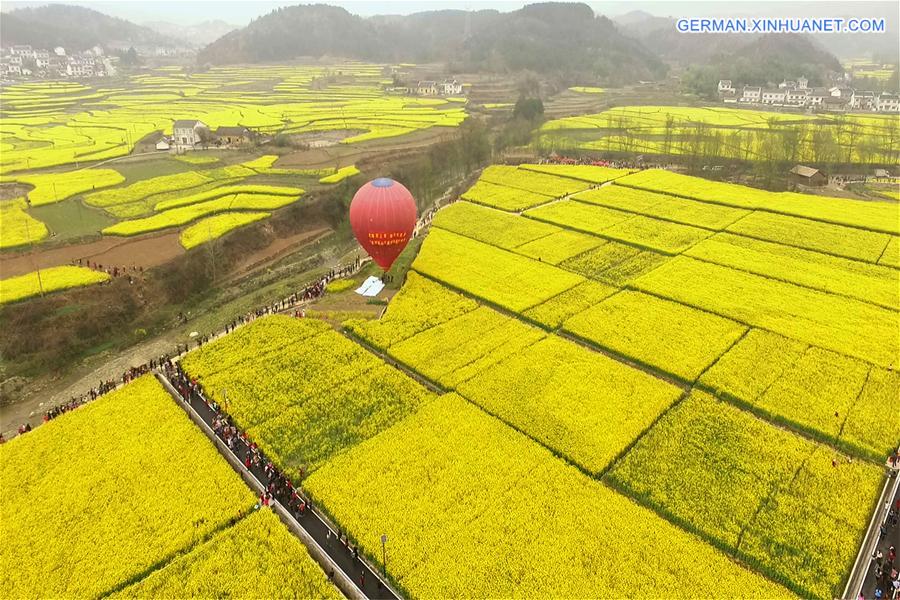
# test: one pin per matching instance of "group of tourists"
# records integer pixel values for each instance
(277, 485)
(111, 270)
(611, 164)
(103, 387)
(884, 565)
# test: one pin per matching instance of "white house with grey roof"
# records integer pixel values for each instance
(186, 133)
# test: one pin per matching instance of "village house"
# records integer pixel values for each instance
(841, 92)
(451, 88)
(863, 101)
(21, 50)
(427, 88)
(80, 67)
(233, 136)
(751, 94)
(808, 176)
(163, 144)
(816, 97)
(41, 59)
(888, 102)
(797, 97)
(835, 103)
(186, 133)
(448, 87)
(773, 96)
(725, 86)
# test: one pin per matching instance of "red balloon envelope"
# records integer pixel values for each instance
(383, 216)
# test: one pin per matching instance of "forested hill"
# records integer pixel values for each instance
(74, 28)
(767, 59)
(563, 38)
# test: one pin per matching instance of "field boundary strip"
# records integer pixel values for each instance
(883, 250)
(629, 217)
(650, 215)
(407, 370)
(572, 338)
(167, 560)
(752, 326)
(761, 209)
(788, 281)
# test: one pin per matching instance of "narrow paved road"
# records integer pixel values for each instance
(891, 538)
(364, 576)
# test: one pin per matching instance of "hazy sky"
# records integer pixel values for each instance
(242, 12)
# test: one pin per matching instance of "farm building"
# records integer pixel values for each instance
(808, 176)
(888, 102)
(427, 88)
(186, 133)
(751, 94)
(835, 104)
(234, 136)
(163, 144)
(451, 87)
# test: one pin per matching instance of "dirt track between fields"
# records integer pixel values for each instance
(144, 251)
(348, 154)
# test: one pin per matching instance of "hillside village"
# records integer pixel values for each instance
(798, 94)
(23, 61)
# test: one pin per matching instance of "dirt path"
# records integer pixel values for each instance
(49, 391)
(144, 251)
(348, 154)
(103, 367)
(278, 248)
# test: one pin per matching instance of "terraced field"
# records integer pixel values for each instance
(56, 138)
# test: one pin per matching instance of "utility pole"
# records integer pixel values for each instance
(383, 554)
(212, 248)
(31, 247)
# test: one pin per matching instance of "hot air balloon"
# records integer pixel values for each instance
(383, 216)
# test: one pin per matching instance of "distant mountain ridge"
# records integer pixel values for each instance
(197, 35)
(75, 28)
(561, 38)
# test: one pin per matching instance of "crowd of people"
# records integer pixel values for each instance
(111, 270)
(103, 387)
(277, 485)
(884, 565)
(309, 292)
(638, 163)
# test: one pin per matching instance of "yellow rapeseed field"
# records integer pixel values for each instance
(100, 495)
(54, 279)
